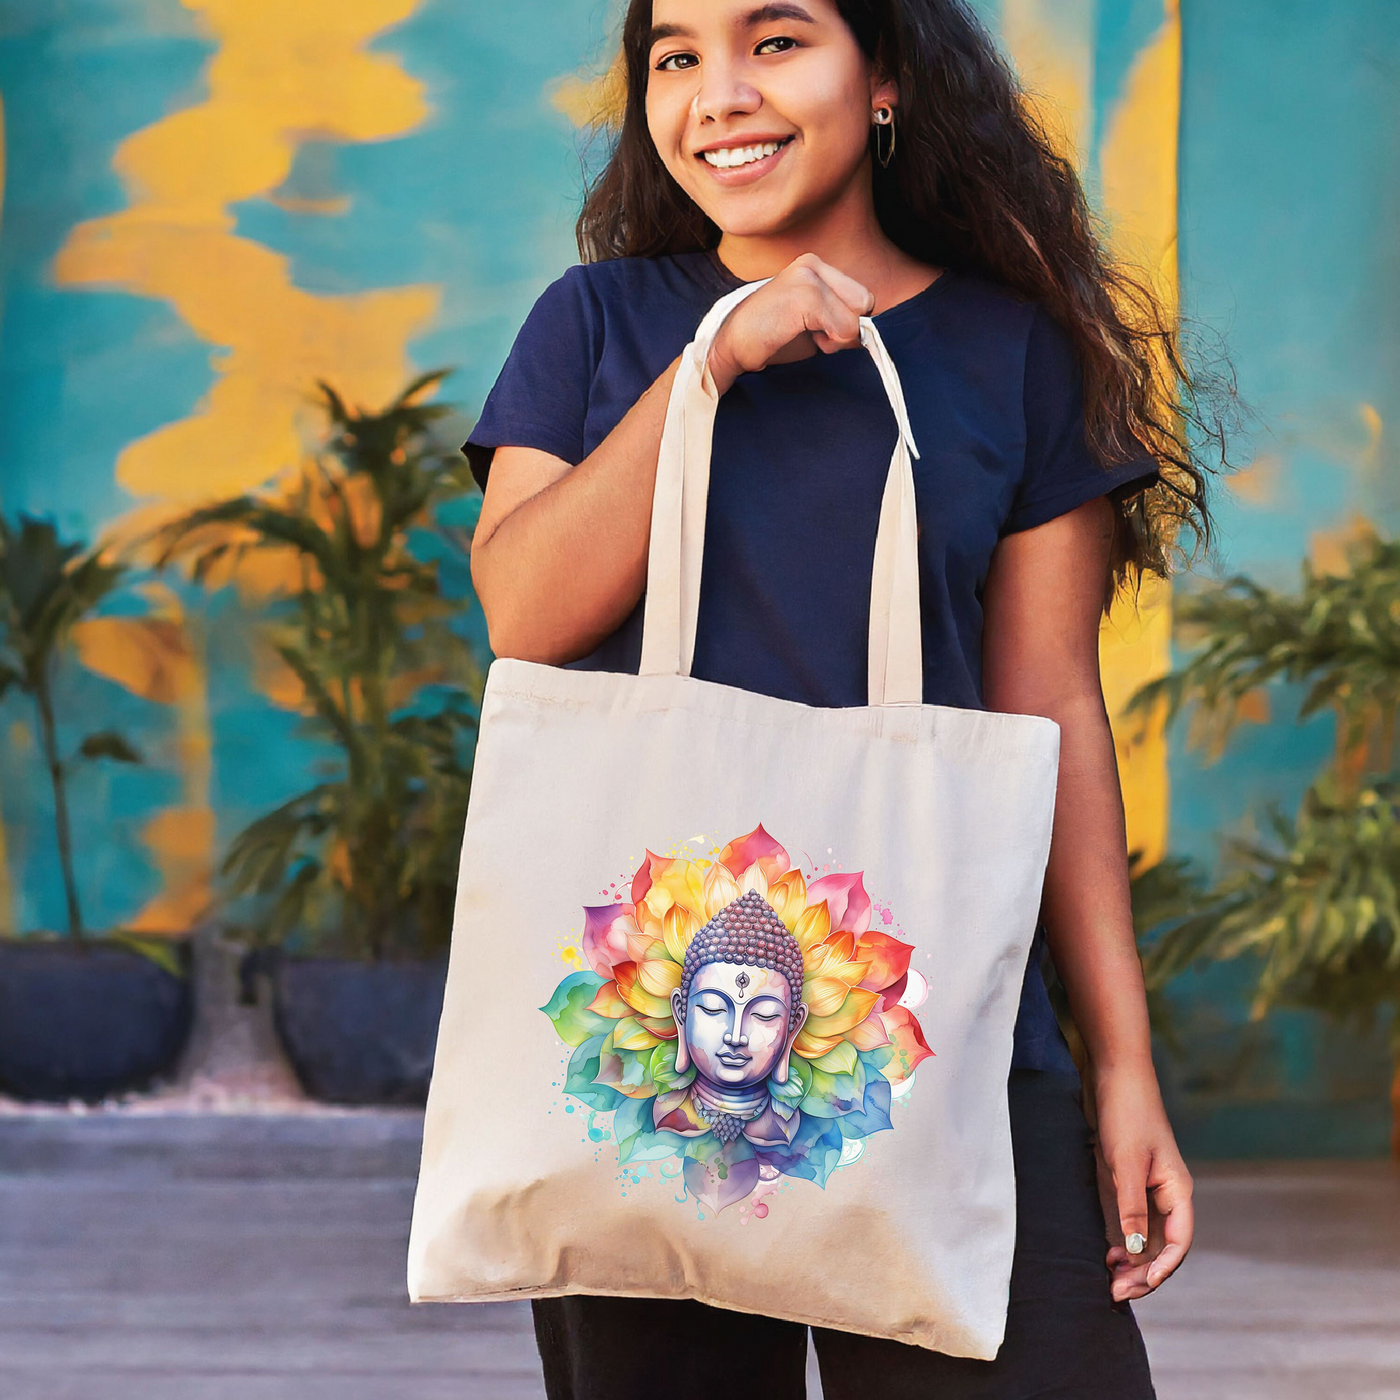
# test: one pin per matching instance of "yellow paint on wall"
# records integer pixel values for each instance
(283, 74)
(1138, 167)
(1052, 45)
(155, 657)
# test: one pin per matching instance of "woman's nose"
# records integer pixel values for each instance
(724, 93)
(730, 1038)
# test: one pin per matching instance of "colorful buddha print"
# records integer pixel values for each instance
(740, 1019)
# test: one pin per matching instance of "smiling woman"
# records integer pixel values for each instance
(864, 164)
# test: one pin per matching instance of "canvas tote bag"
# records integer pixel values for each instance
(733, 979)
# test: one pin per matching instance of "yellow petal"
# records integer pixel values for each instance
(658, 899)
(640, 943)
(824, 995)
(788, 896)
(858, 1005)
(660, 977)
(813, 926)
(869, 1035)
(754, 879)
(630, 1034)
(677, 929)
(629, 985)
(721, 890)
(813, 1047)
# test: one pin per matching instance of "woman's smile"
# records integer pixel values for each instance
(741, 163)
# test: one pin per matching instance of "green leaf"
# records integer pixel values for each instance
(568, 1009)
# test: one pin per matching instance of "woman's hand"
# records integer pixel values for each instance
(808, 307)
(1143, 1181)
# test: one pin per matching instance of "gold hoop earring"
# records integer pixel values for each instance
(884, 151)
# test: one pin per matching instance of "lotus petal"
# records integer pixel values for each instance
(858, 1004)
(623, 1071)
(813, 926)
(644, 943)
(685, 883)
(641, 881)
(843, 943)
(721, 889)
(894, 993)
(813, 1047)
(824, 995)
(719, 1184)
(906, 1041)
(609, 1002)
(663, 1027)
(677, 929)
(754, 879)
(870, 1034)
(889, 959)
(788, 896)
(658, 900)
(569, 1008)
(636, 995)
(630, 1034)
(840, 1059)
(757, 847)
(660, 976)
(845, 896)
(605, 930)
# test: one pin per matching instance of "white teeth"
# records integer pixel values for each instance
(729, 156)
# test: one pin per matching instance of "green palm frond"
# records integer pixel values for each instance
(366, 860)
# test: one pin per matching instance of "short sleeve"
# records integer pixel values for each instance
(1061, 471)
(540, 398)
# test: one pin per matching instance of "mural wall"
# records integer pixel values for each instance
(211, 204)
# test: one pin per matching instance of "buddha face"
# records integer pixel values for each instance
(738, 1026)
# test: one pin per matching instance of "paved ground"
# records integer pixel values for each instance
(214, 1257)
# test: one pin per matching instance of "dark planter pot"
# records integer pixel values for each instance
(86, 1023)
(360, 1032)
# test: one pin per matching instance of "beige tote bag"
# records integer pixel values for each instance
(733, 979)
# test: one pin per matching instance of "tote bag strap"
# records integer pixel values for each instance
(678, 526)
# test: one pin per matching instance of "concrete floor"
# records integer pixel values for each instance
(207, 1258)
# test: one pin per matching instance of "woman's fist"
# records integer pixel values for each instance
(808, 307)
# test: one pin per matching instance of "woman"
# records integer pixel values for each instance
(871, 157)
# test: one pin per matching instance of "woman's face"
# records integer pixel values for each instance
(761, 112)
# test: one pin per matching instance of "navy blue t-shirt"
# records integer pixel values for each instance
(798, 468)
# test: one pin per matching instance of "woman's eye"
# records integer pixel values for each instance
(780, 43)
(760, 1016)
(712, 1010)
(675, 62)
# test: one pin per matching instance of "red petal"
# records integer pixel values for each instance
(890, 996)
(758, 846)
(889, 960)
(846, 898)
(907, 1038)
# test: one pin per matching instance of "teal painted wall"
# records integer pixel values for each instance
(1290, 192)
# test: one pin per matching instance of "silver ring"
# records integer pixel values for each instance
(1135, 1243)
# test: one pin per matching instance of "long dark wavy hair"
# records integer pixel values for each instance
(976, 185)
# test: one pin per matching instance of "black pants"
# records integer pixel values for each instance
(1065, 1337)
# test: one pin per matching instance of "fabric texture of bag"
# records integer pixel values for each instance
(733, 979)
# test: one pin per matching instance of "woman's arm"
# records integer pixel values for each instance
(1042, 607)
(559, 553)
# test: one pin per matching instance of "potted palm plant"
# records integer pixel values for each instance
(80, 1016)
(1315, 902)
(351, 881)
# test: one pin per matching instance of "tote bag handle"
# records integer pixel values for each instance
(678, 526)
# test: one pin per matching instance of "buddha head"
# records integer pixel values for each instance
(739, 1006)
